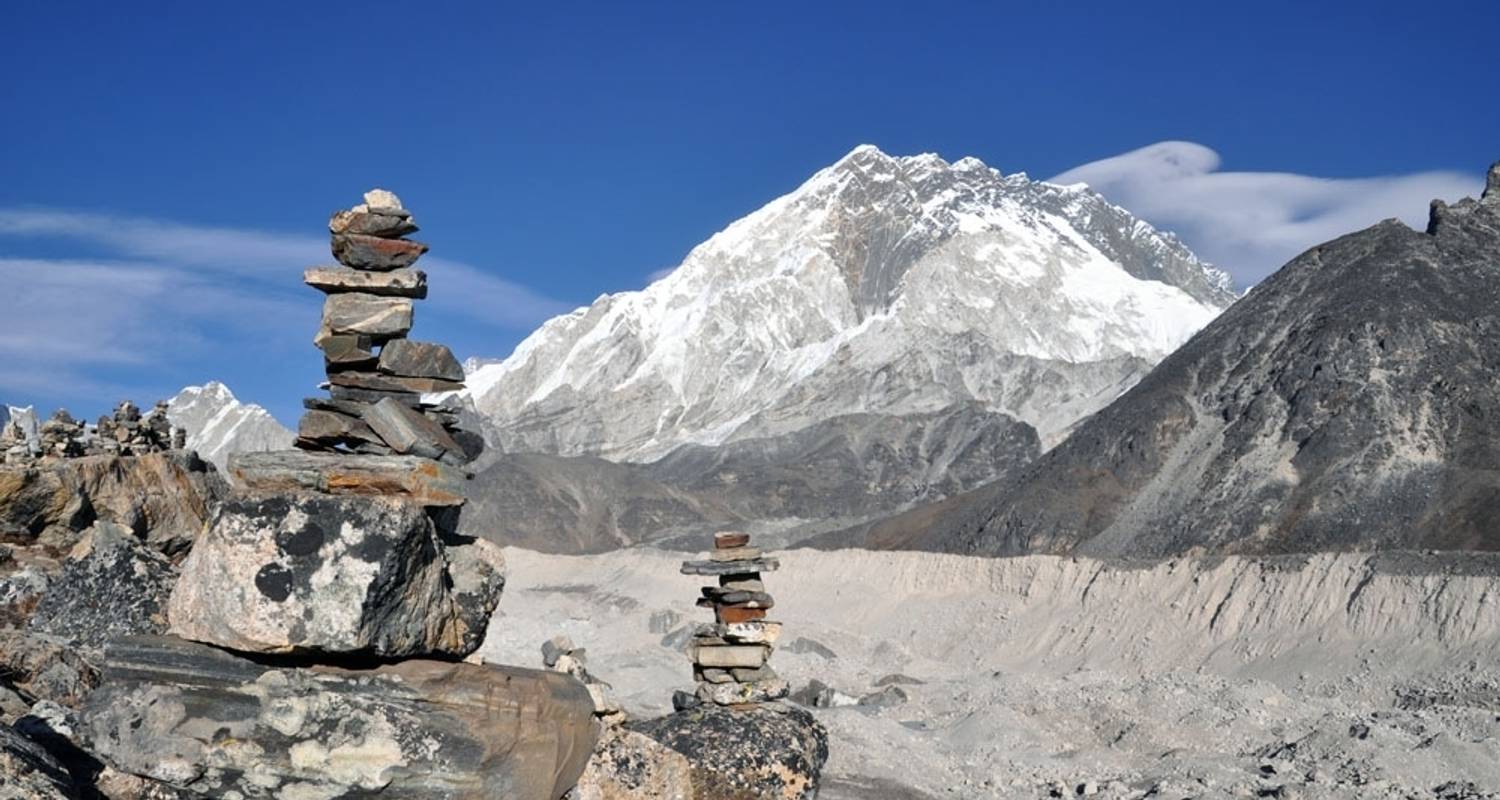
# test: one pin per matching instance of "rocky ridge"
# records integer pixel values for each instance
(1346, 403)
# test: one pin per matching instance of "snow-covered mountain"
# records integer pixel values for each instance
(881, 285)
(217, 424)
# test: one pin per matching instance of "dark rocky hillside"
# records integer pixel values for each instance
(1350, 402)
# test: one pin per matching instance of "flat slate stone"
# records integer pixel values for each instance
(349, 394)
(734, 554)
(207, 721)
(758, 632)
(282, 471)
(348, 351)
(372, 252)
(372, 223)
(729, 656)
(409, 432)
(371, 315)
(333, 427)
(725, 540)
(734, 694)
(395, 283)
(762, 564)
(391, 383)
(411, 359)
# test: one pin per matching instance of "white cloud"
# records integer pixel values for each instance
(659, 274)
(1250, 223)
(175, 292)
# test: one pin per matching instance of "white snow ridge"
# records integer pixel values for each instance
(892, 285)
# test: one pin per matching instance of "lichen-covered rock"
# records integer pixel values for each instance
(163, 498)
(755, 752)
(112, 585)
(318, 573)
(22, 586)
(627, 765)
(42, 667)
(202, 719)
(29, 772)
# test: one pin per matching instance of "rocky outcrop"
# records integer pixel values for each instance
(627, 765)
(41, 667)
(162, 498)
(112, 585)
(198, 718)
(1349, 402)
(328, 574)
(29, 772)
(770, 751)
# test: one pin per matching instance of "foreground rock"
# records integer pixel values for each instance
(41, 667)
(201, 719)
(318, 573)
(29, 772)
(112, 585)
(163, 498)
(763, 751)
(627, 765)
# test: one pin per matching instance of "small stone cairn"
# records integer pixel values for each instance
(560, 655)
(730, 656)
(376, 376)
(126, 432)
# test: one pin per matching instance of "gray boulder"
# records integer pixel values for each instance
(762, 751)
(420, 360)
(328, 574)
(199, 718)
(112, 585)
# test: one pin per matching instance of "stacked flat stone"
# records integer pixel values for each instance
(730, 656)
(127, 433)
(62, 436)
(15, 448)
(376, 376)
(560, 655)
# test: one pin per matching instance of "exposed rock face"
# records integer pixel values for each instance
(112, 585)
(198, 718)
(765, 751)
(219, 425)
(881, 285)
(1349, 402)
(627, 765)
(788, 488)
(317, 573)
(45, 668)
(163, 498)
(417, 479)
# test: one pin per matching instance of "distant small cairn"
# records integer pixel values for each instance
(126, 432)
(376, 376)
(730, 656)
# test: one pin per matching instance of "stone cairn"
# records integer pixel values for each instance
(560, 655)
(376, 376)
(324, 627)
(730, 656)
(126, 432)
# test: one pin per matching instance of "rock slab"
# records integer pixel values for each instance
(201, 719)
(770, 751)
(418, 479)
(331, 575)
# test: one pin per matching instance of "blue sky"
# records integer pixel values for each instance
(166, 169)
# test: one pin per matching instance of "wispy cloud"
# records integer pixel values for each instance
(166, 291)
(1251, 223)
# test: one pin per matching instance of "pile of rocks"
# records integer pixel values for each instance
(560, 655)
(730, 656)
(376, 376)
(126, 432)
(322, 630)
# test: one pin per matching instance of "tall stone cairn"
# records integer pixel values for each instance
(376, 376)
(730, 656)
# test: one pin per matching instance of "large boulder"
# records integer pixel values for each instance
(163, 498)
(330, 574)
(202, 719)
(769, 751)
(29, 772)
(112, 585)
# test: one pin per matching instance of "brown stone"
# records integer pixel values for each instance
(348, 351)
(730, 539)
(735, 554)
(409, 432)
(627, 765)
(420, 360)
(333, 427)
(371, 223)
(392, 383)
(395, 283)
(380, 318)
(731, 656)
(372, 252)
(731, 615)
(291, 471)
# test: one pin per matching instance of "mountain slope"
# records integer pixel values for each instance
(882, 285)
(218, 424)
(1350, 402)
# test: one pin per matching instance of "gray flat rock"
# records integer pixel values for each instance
(420, 360)
(409, 432)
(395, 283)
(763, 564)
(281, 471)
(370, 315)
